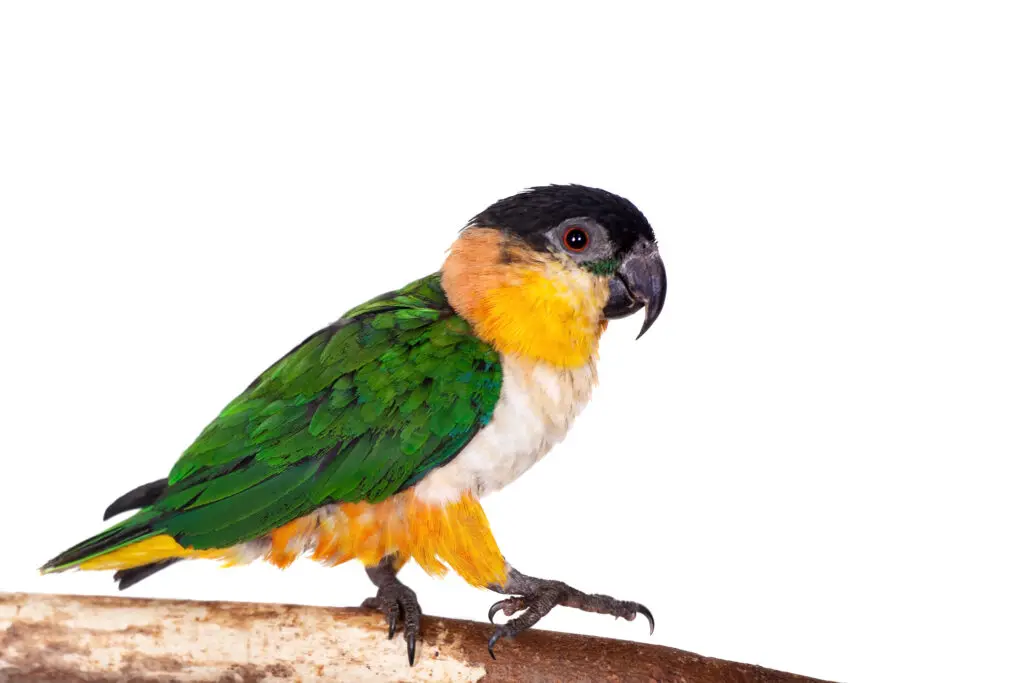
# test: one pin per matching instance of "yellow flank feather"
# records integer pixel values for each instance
(455, 535)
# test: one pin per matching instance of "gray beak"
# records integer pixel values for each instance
(639, 282)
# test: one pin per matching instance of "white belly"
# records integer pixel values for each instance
(535, 409)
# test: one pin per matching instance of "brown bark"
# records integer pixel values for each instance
(81, 638)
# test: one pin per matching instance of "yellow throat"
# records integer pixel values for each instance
(525, 302)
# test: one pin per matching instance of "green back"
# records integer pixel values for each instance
(357, 412)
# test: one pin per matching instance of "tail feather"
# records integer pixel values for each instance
(129, 577)
(136, 528)
(131, 530)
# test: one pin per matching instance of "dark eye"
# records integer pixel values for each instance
(575, 238)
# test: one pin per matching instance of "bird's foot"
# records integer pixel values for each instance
(536, 597)
(398, 603)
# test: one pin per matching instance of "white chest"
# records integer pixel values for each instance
(537, 405)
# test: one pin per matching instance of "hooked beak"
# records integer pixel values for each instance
(640, 282)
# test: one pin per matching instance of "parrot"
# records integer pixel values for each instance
(376, 437)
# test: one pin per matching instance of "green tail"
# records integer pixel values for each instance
(135, 528)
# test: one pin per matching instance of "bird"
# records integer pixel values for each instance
(376, 437)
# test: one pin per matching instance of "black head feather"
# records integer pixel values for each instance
(533, 211)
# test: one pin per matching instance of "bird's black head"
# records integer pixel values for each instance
(534, 212)
(601, 232)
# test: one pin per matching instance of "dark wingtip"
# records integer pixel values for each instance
(138, 497)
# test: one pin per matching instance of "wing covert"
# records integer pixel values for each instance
(360, 410)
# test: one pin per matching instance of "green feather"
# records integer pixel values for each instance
(357, 412)
(606, 266)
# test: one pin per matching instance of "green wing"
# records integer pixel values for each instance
(357, 412)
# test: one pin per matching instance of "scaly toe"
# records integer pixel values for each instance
(533, 609)
(398, 602)
(509, 606)
(389, 607)
(411, 610)
(532, 598)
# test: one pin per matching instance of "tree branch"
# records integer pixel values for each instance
(96, 639)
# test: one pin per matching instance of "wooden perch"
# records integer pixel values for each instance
(82, 638)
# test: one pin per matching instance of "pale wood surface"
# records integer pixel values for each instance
(98, 639)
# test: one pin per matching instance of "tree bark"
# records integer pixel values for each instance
(97, 639)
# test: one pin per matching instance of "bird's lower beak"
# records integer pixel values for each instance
(639, 282)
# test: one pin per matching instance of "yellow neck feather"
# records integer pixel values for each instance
(524, 302)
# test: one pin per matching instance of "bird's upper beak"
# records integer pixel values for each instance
(639, 282)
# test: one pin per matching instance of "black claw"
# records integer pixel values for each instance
(538, 596)
(412, 647)
(647, 613)
(392, 625)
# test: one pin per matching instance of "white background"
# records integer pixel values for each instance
(812, 462)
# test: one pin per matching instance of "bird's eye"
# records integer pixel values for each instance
(575, 238)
